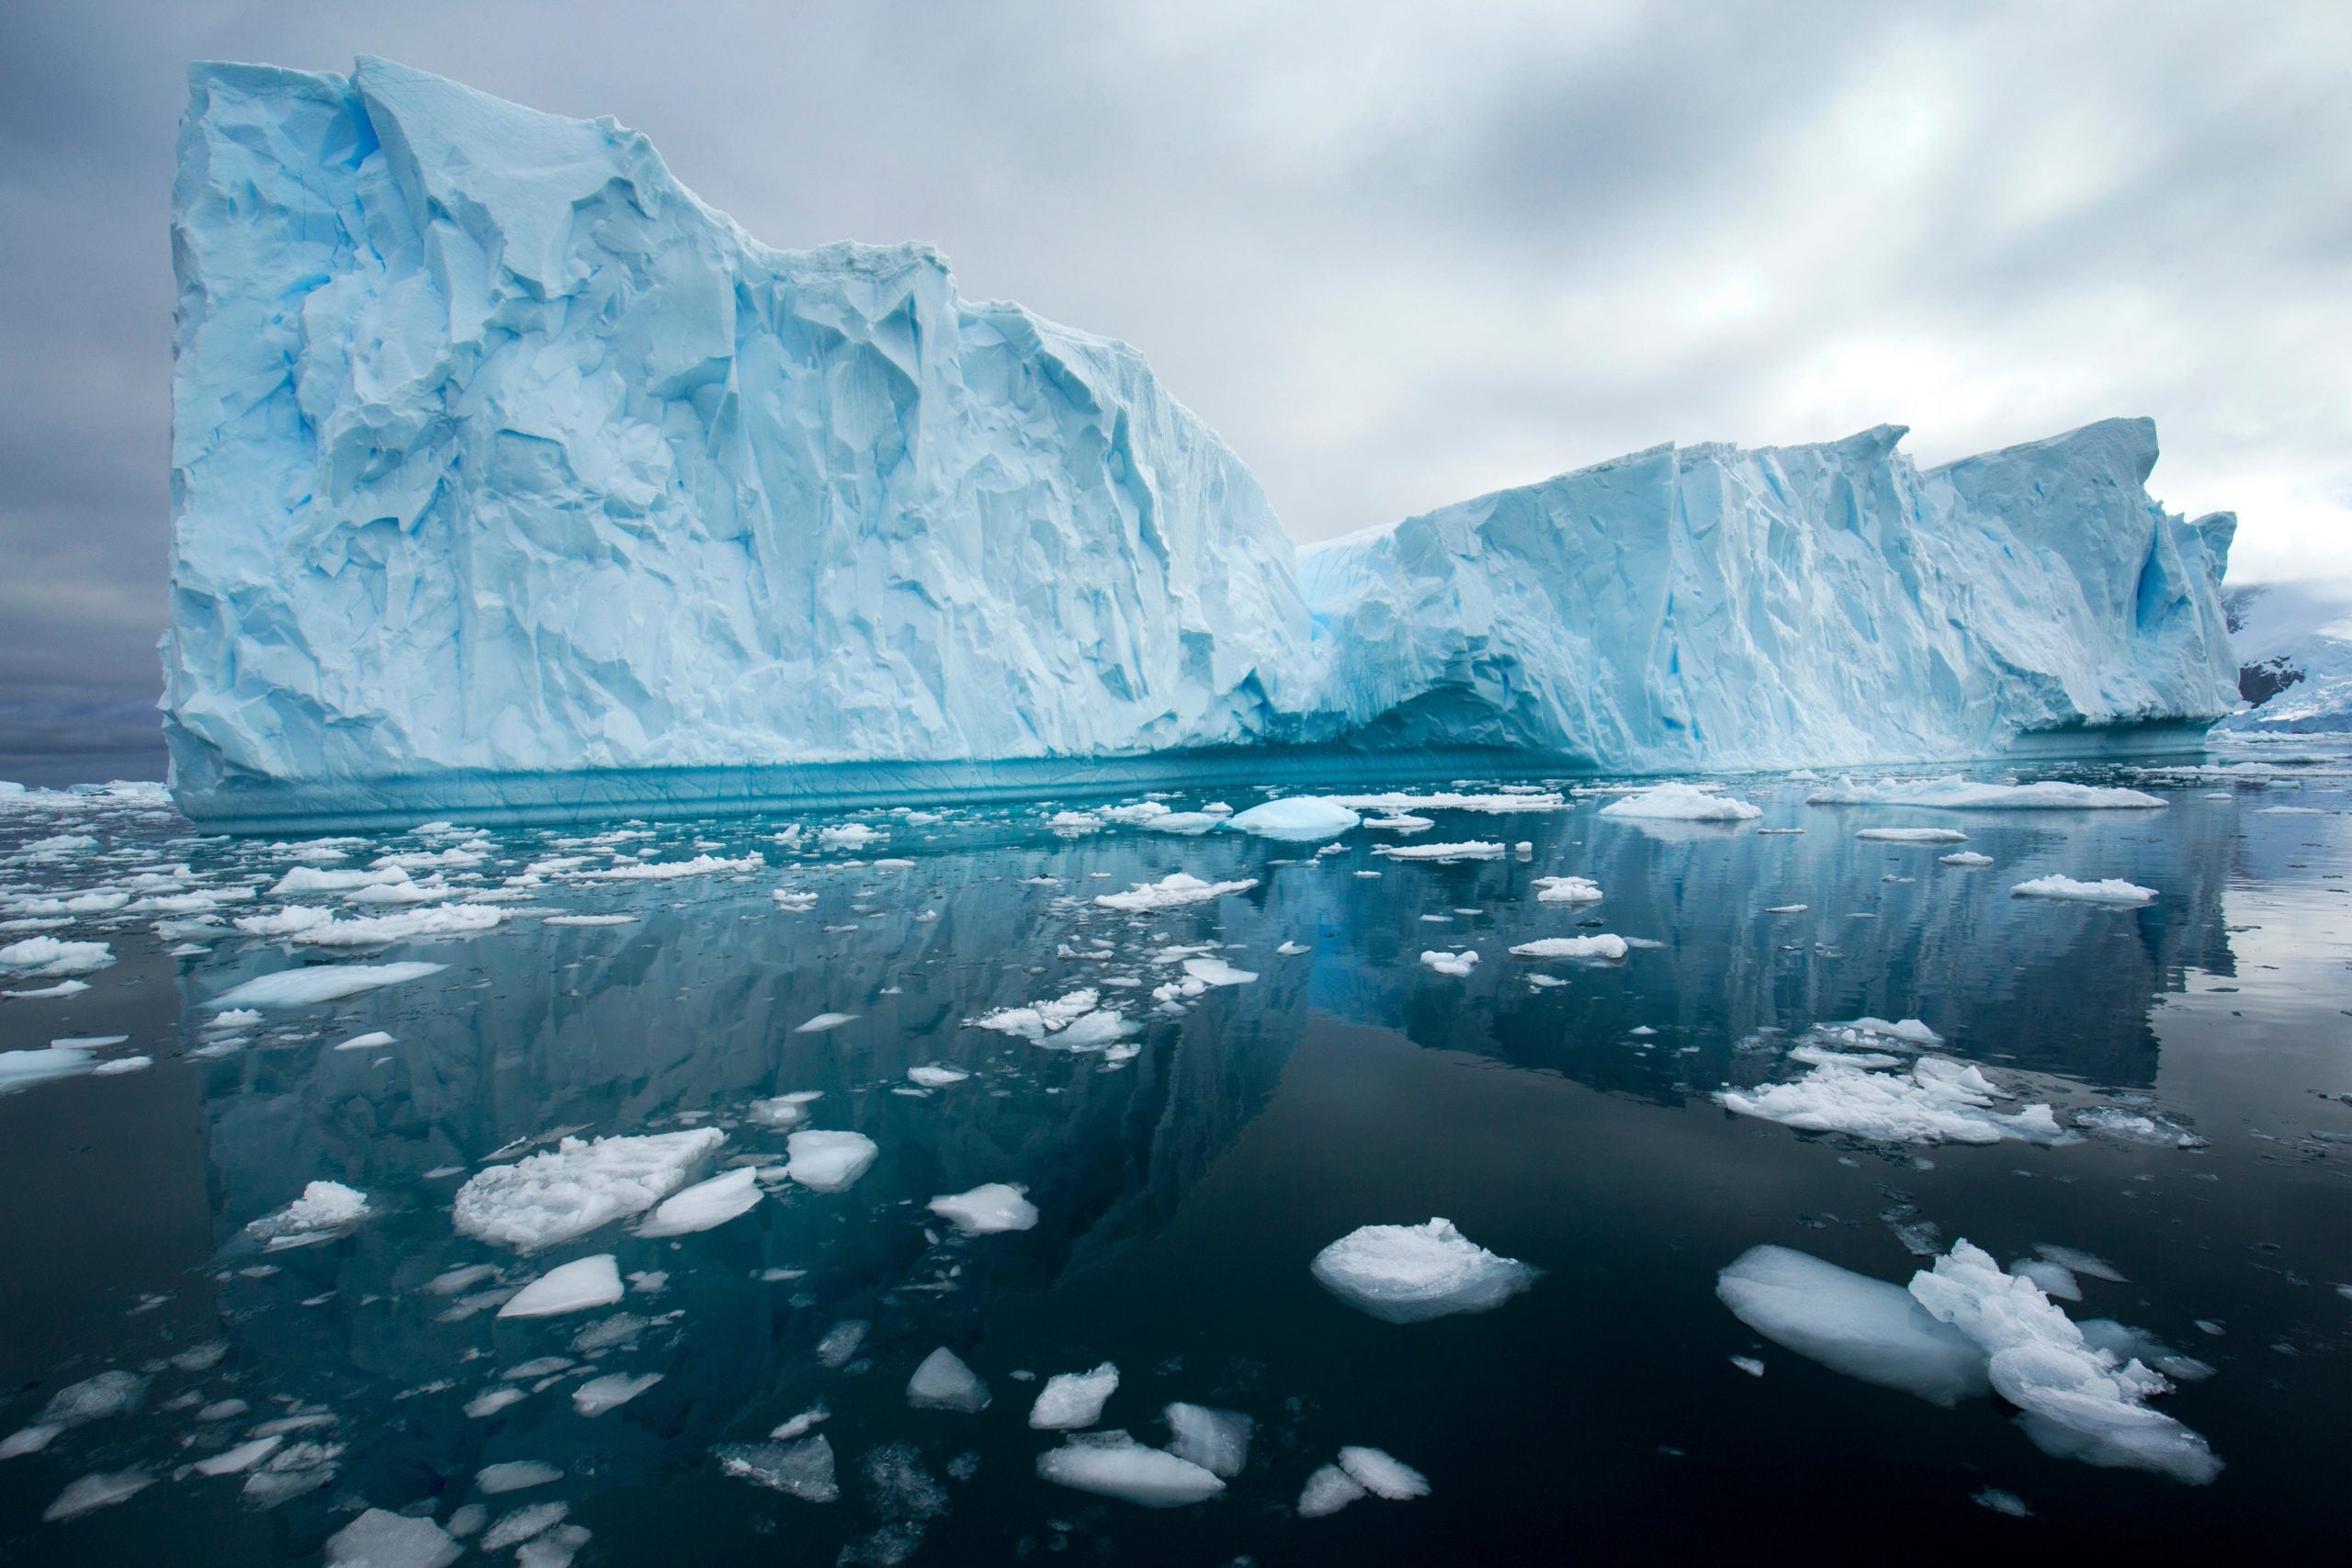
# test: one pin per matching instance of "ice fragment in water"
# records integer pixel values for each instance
(378, 1539)
(1750, 1365)
(610, 1392)
(1217, 972)
(1964, 858)
(705, 1205)
(1850, 1323)
(935, 1076)
(945, 1382)
(321, 983)
(22, 1069)
(572, 1287)
(987, 1209)
(1074, 1399)
(1938, 1101)
(1413, 1273)
(829, 1162)
(1173, 891)
(1216, 1440)
(325, 1209)
(374, 1040)
(1952, 793)
(1291, 949)
(1384, 1475)
(1566, 890)
(824, 1021)
(2001, 1502)
(802, 1470)
(45, 957)
(100, 1490)
(785, 1111)
(1599, 945)
(515, 1475)
(2056, 1279)
(567, 1191)
(1328, 1491)
(1457, 965)
(2111, 891)
(1112, 1464)
(521, 1524)
(1913, 835)
(243, 1458)
(841, 1342)
(1298, 818)
(99, 1398)
(1681, 803)
(2081, 1262)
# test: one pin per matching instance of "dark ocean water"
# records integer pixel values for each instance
(1183, 1193)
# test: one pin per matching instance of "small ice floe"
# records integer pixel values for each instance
(305, 879)
(1070, 1400)
(22, 1069)
(1850, 1323)
(1952, 793)
(1414, 1273)
(668, 871)
(241, 1458)
(1457, 965)
(1681, 803)
(2132, 1127)
(990, 1209)
(1297, 817)
(1383, 1475)
(62, 988)
(324, 1211)
(803, 1469)
(1566, 890)
(2055, 1280)
(839, 1346)
(1913, 835)
(800, 1424)
(1214, 972)
(1112, 1464)
(849, 836)
(101, 1489)
(794, 900)
(571, 1287)
(321, 983)
(1600, 945)
(1965, 858)
(943, 1382)
(1327, 1490)
(1750, 1365)
(936, 1076)
(2113, 890)
(785, 1111)
(1850, 1090)
(705, 1205)
(589, 920)
(1509, 802)
(1473, 849)
(1216, 1440)
(1400, 822)
(46, 958)
(2000, 1501)
(610, 1392)
(2081, 1262)
(1171, 892)
(292, 918)
(2079, 1401)
(1187, 824)
(576, 1186)
(514, 1476)
(1073, 1022)
(374, 1040)
(1786, 909)
(829, 1161)
(1293, 948)
(380, 1538)
(825, 1023)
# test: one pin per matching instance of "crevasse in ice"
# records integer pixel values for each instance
(510, 477)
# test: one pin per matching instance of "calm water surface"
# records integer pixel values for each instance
(1183, 1193)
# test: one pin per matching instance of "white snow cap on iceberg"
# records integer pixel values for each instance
(1414, 1273)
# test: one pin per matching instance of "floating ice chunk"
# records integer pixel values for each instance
(935, 1076)
(1300, 818)
(521, 1524)
(987, 1209)
(1141, 812)
(2124, 1344)
(1473, 849)
(316, 879)
(1071, 824)
(1952, 793)
(1190, 824)
(2078, 1402)
(62, 988)
(1750, 1365)
(705, 1205)
(1216, 1440)
(1112, 1464)
(1217, 972)
(1913, 835)
(945, 1382)
(2054, 1279)
(2081, 1262)
(494, 1400)
(325, 1209)
(610, 1392)
(825, 1023)
(1293, 948)
(2001, 1502)
(1171, 892)
(2113, 890)
(849, 836)
(1033, 1023)
(374, 1040)
(378, 1539)
(1681, 803)
(669, 871)
(1328, 1491)
(1938, 1101)
(22, 1069)
(1911, 1031)
(1601, 944)
(802, 1470)
(100, 1489)
(515, 1475)
(1505, 803)
(243, 1458)
(784, 1111)
(1850, 1323)
(1566, 890)
(284, 922)
(2133, 1128)
(1413, 1273)
(450, 1281)
(321, 983)
(30, 1439)
(99, 1398)
(790, 898)
(1458, 964)
(571, 1287)
(841, 1343)
(1383, 1475)
(45, 957)
(576, 1186)
(1964, 858)
(1070, 1400)
(829, 1162)
(589, 920)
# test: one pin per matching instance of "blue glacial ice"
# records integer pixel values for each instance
(511, 479)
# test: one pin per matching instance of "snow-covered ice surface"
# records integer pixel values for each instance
(1682, 803)
(1189, 1139)
(1071, 1400)
(1414, 1273)
(2107, 890)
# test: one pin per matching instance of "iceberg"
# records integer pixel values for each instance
(1112, 1464)
(511, 479)
(1414, 1273)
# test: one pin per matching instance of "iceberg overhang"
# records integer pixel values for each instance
(510, 478)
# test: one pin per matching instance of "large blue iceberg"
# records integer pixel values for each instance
(509, 478)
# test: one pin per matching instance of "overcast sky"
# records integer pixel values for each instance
(1396, 255)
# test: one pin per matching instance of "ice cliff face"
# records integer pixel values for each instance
(1710, 607)
(508, 477)
(495, 450)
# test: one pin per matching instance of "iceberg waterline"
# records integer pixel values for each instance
(520, 399)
